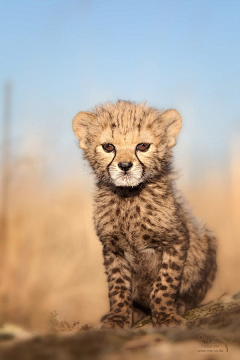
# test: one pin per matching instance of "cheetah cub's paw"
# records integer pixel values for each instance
(113, 321)
(176, 320)
(172, 320)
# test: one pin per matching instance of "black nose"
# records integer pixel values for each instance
(125, 165)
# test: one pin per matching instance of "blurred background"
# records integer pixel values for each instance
(59, 57)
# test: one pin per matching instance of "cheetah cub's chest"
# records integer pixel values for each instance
(128, 225)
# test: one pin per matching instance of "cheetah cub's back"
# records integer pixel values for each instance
(158, 258)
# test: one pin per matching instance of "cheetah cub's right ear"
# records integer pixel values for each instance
(81, 124)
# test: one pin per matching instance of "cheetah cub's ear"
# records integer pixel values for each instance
(81, 124)
(173, 122)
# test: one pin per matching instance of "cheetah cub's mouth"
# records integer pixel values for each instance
(121, 177)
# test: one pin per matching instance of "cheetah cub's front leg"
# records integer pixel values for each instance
(166, 287)
(119, 292)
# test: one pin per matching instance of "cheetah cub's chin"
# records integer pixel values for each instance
(159, 259)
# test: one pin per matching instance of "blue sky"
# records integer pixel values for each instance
(67, 56)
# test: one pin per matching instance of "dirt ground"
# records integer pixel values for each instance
(213, 332)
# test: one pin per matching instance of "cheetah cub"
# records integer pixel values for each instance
(158, 258)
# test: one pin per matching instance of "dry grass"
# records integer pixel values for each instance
(53, 261)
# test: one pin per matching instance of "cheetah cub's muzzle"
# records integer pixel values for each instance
(126, 173)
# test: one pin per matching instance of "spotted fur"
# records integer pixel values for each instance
(158, 257)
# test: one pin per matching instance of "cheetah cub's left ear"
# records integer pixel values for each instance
(173, 122)
(81, 124)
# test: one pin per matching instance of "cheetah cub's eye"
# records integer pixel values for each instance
(143, 147)
(108, 147)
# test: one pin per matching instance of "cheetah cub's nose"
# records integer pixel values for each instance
(125, 165)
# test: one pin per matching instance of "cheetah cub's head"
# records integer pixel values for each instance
(126, 143)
